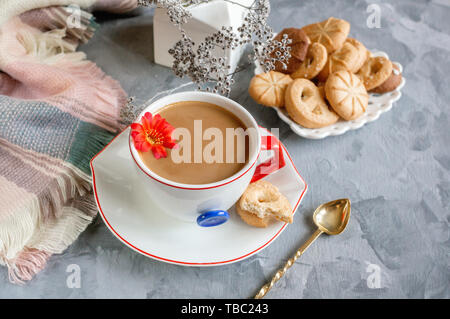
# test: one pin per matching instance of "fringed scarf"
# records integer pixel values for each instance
(57, 110)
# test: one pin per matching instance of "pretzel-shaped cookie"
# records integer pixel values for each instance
(315, 60)
(375, 71)
(393, 81)
(306, 106)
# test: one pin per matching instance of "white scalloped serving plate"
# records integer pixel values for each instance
(378, 104)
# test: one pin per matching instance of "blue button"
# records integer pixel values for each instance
(213, 218)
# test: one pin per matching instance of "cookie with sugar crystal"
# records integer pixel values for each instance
(315, 60)
(306, 106)
(375, 71)
(346, 94)
(331, 33)
(269, 88)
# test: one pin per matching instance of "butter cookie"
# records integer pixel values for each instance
(262, 201)
(331, 33)
(269, 88)
(393, 81)
(315, 60)
(253, 219)
(306, 106)
(343, 59)
(375, 71)
(346, 94)
(363, 54)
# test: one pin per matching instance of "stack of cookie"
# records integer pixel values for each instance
(327, 77)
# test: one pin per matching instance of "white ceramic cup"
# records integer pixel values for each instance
(186, 201)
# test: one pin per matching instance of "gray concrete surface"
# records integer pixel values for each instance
(395, 170)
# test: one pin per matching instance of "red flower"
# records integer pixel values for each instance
(154, 134)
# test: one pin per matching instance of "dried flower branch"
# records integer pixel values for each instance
(200, 64)
(129, 112)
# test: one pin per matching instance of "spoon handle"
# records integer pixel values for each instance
(280, 273)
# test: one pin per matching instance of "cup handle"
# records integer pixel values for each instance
(274, 163)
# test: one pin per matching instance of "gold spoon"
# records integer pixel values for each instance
(330, 218)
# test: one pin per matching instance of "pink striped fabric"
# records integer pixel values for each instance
(57, 110)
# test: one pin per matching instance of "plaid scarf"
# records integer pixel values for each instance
(57, 110)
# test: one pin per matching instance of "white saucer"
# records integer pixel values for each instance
(378, 104)
(136, 221)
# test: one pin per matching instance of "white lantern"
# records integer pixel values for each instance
(207, 18)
